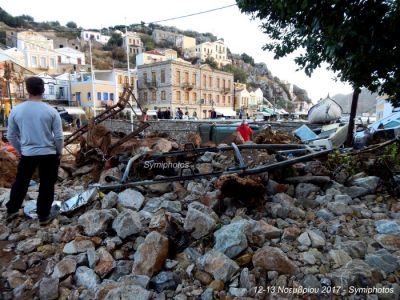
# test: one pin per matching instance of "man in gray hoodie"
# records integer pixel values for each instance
(35, 131)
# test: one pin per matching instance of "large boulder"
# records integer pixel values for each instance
(383, 260)
(231, 239)
(75, 246)
(48, 288)
(151, 254)
(105, 263)
(218, 265)
(388, 226)
(355, 273)
(110, 200)
(274, 259)
(95, 222)
(304, 190)
(29, 245)
(261, 231)
(131, 198)
(64, 268)
(200, 220)
(128, 292)
(86, 278)
(370, 183)
(388, 241)
(127, 223)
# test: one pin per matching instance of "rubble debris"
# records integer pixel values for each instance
(200, 238)
(247, 190)
(151, 254)
(8, 168)
(273, 259)
(234, 138)
(195, 139)
(269, 136)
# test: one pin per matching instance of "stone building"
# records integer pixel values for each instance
(180, 41)
(195, 89)
(135, 44)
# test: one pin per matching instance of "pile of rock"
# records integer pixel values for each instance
(174, 241)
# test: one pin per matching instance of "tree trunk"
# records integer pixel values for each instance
(354, 102)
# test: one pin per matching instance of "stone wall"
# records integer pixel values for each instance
(178, 129)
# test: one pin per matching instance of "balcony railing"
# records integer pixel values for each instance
(187, 86)
(61, 96)
(225, 90)
(151, 84)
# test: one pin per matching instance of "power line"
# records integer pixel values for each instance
(193, 14)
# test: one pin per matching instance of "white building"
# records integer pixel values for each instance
(216, 50)
(87, 35)
(383, 108)
(39, 54)
(63, 87)
(256, 97)
(134, 42)
(70, 56)
(56, 88)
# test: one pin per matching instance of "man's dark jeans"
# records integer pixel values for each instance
(48, 172)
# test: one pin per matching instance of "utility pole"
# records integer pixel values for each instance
(129, 71)
(92, 74)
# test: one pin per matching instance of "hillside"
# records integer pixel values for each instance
(366, 102)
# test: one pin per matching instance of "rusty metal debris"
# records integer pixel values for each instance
(290, 150)
(108, 113)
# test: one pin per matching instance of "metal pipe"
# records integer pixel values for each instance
(129, 166)
(238, 155)
(274, 147)
(246, 172)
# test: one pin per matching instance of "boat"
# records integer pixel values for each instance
(325, 111)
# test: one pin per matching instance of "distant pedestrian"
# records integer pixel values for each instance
(145, 117)
(160, 114)
(186, 116)
(179, 113)
(167, 114)
(245, 131)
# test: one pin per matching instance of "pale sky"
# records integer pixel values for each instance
(239, 32)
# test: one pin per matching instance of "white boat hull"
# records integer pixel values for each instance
(325, 111)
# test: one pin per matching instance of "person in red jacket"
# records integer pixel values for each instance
(245, 131)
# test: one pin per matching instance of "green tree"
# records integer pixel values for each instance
(247, 59)
(115, 40)
(71, 25)
(359, 40)
(239, 75)
(211, 62)
(148, 42)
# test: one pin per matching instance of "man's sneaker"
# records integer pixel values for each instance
(47, 220)
(12, 216)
